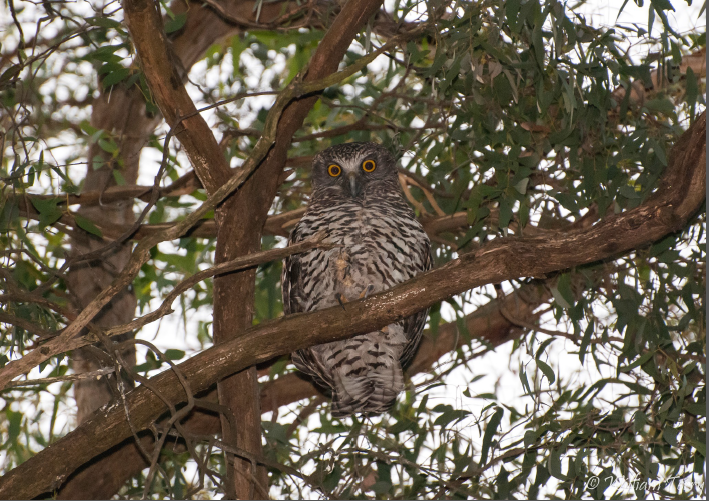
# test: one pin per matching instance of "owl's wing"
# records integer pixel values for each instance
(413, 325)
(293, 302)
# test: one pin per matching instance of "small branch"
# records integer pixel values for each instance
(71, 377)
(238, 264)
(280, 23)
(25, 324)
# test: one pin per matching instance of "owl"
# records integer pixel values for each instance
(358, 204)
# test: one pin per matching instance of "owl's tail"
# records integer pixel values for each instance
(367, 385)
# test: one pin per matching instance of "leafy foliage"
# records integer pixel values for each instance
(522, 115)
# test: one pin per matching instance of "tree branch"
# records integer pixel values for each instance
(681, 193)
(157, 60)
(487, 323)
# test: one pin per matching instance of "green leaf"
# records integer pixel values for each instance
(692, 87)
(559, 298)
(332, 479)
(115, 77)
(524, 380)
(639, 421)
(14, 425)
(384, 472)
(505, 214)
(44, 205)
(175, 24)
(670, 436)
(662, 5)
(86, 225)
(586, 340)
(696, 409)
(103, 22)
(638, 388)
(381, 487)
(548, 371)
(698, 443)
(530, 437)
(490, 431)
(555, 464)
(640, 361)
(521, 187)
(118, 177)
(108, 145)
(173, 354)
(450, 415)
(49, 213)
(628, 192)
(512, 14)
(10, 73)
(660, 105)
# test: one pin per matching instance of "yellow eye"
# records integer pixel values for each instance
(369, 166)
(334, 170)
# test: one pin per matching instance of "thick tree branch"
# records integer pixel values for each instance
(681, 193)
(487, 322)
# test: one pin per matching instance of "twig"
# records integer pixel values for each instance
(71, 377)
(25, 324)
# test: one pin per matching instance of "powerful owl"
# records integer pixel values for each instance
(357, 202)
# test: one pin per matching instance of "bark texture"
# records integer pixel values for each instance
(86, 279)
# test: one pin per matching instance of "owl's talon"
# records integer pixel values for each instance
(365, 294)
(341, 299)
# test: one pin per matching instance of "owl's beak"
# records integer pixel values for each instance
(354, 185)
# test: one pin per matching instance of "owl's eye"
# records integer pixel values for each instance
(334, 170)
(369, 166)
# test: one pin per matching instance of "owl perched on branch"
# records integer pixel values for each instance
(357, 202)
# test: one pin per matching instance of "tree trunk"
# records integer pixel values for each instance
(121, 113)
(119, 116)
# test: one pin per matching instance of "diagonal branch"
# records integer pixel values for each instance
(487, 323)
(681, 193)
(156, 57)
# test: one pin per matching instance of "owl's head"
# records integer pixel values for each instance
(353, 167)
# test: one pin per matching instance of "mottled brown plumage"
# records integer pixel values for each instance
(380, 244)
